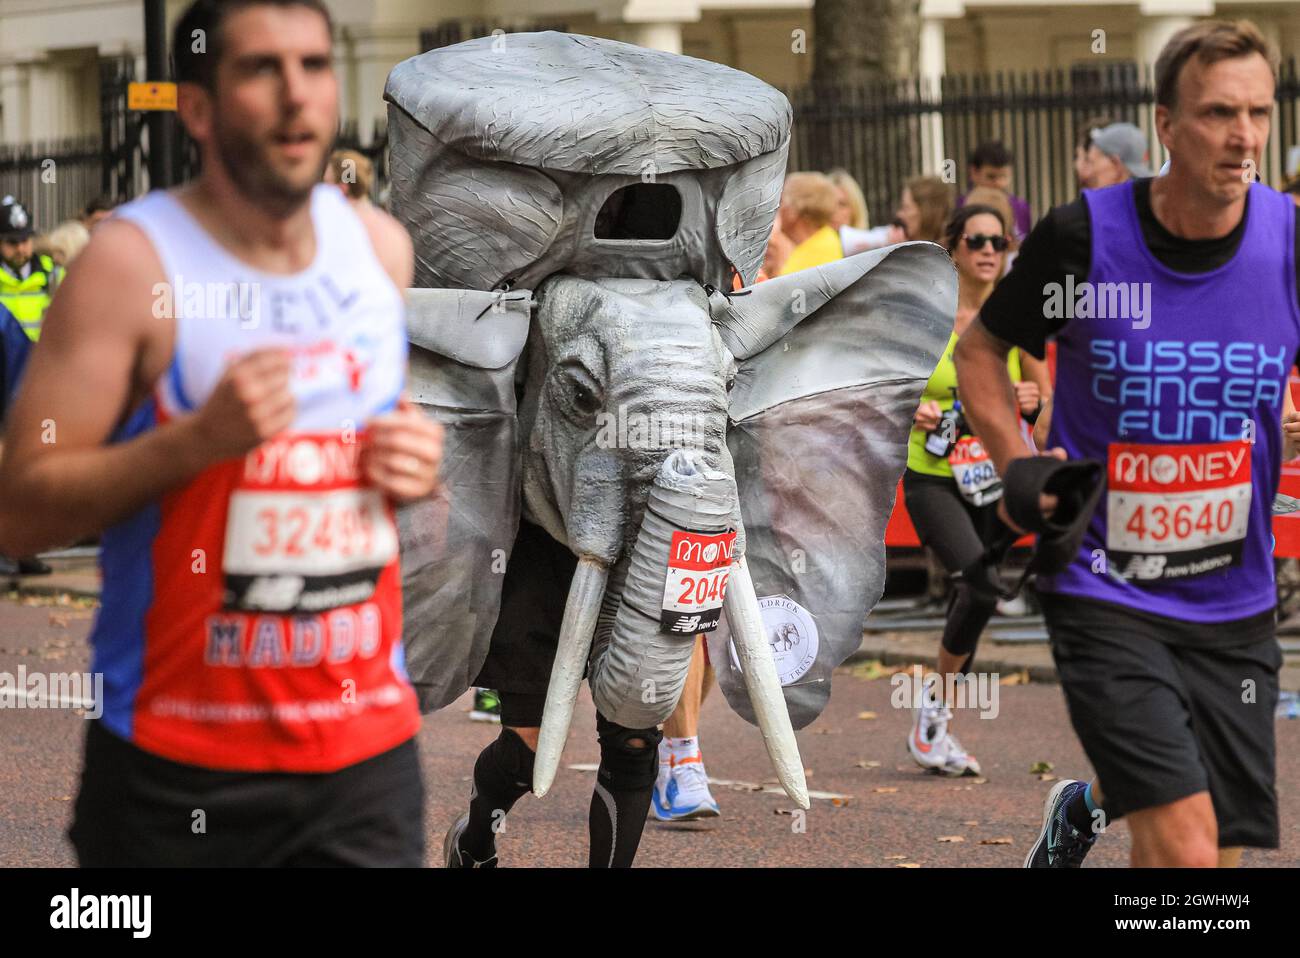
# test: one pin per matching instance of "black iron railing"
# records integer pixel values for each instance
(882, 134)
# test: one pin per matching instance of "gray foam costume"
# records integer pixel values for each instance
(505, 154)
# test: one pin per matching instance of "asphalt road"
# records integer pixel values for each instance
(891, 813)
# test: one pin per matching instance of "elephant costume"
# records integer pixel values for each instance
(579, 209)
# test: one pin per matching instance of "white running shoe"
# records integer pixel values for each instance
(936, 749)
(684, 795)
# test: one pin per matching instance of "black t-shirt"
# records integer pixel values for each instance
(1060, 246)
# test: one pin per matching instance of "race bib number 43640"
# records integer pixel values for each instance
(1176, 510)
(696, 584)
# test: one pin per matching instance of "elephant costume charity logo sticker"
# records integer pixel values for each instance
(792, 634)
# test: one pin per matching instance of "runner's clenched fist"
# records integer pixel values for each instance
(250, 404)
(402, 451)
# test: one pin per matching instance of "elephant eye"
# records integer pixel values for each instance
(585, 399)
(579, 390)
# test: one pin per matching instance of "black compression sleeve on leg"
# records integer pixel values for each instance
(629, 760)
(502, 775)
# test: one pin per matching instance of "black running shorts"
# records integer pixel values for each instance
(136, 809)
(533, 597)
(1162, 717)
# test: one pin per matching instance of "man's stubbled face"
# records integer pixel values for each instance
(275, 109)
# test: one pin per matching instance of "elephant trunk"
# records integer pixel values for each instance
(638, 670)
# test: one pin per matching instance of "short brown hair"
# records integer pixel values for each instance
(1209, 42)
(934, 197)
(990, 198)
(353, 171)
(203, 20)
(812, 196)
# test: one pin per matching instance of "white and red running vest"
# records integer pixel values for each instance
(251, 619)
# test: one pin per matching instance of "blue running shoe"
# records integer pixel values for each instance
(681, 792)
(1060, 844)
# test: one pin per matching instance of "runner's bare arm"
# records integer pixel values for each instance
(981, 360)
(101, 351)
(1044, 425)
(404, 447)
(1290, 426)
(392, 244)
(1036, 371)
(990, 399)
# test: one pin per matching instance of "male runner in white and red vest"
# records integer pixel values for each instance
(219, 388)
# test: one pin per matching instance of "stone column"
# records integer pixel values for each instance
(664, 35)
(1161, 19)
(375, 51)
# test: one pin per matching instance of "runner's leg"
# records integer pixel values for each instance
(503, 774)
(621, 799)
(1181, 834)
(682, 785)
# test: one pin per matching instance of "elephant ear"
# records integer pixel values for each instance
(454, 545)
(831, 365)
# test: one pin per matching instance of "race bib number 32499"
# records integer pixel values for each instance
(1176, 510)
(696, 584)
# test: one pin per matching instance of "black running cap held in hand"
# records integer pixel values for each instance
(1077, 485)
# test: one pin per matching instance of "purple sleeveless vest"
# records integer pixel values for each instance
(1174, 382)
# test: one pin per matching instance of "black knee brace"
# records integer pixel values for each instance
(970, 607)
(512, 757)
(629, 757)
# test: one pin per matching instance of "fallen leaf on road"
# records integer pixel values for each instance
(970, 823)
(866, 715)
(58, 620)
(1015, 678)
(839, 802)
(873, 669)
(897, 858)
(1046, 777)
(979, 781)
(907, 865)
(950, 839)
(783, 811)
(866, 764)
(1038, 768)
(995, 841)
(886, 791)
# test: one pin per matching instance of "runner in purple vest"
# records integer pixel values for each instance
(1174, 305)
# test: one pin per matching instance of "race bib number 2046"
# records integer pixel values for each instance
(1176, 510)
(698, 567)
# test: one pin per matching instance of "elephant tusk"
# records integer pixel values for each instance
(580, 612)
(762, 682)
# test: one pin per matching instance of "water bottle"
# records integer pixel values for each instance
(940, 440)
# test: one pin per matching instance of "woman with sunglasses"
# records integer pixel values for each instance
(950, 488)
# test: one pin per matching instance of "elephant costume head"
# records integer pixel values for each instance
(579, 209)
